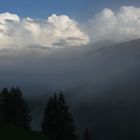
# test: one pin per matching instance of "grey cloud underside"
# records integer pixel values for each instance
(68, 67)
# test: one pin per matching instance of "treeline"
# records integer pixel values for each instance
(14, 109)
(57, 122)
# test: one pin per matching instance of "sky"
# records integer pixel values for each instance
(77, 9)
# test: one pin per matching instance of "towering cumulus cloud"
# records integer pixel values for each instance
(61, 31)
(119, 26)
(55, 31)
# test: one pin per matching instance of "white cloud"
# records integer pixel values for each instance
(59, 31)
(56, 30)
(118, 26)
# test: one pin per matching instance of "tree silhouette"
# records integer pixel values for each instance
(14, 109)
(87, 135)
(4, 97)
(58, 122)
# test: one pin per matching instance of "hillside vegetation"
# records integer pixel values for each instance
(8, 132)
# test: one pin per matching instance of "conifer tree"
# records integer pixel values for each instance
(14, 108)
(4, 97)
(58, 122)
(87, 135)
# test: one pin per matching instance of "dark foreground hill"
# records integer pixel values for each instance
(8, 132)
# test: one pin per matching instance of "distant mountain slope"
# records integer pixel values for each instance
(112, 102)
(102, 84)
